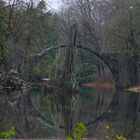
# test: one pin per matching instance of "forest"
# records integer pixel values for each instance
(70, 72)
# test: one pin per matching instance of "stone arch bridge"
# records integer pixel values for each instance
(120, 72)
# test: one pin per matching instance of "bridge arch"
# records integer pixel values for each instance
(111, 60)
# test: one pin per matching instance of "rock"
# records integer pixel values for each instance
(11, 80)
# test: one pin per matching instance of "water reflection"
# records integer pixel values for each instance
(36, 114)
(126, 108)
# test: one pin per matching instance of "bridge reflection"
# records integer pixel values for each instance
(35, 115)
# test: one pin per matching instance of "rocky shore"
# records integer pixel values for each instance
(11, 80)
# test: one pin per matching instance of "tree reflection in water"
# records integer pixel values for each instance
(38, 115)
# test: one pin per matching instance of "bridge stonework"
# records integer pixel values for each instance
(124, 69)
(112, 61)
(120, 67)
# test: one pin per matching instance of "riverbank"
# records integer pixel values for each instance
(96, 85)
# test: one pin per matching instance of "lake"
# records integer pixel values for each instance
(35, 113)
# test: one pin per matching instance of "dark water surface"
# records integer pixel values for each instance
(36, 114)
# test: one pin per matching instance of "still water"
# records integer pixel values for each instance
(37, 114)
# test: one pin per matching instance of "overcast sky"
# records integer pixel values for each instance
(55, 4)
(52, 4)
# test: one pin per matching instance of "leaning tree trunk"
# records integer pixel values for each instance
(66, 81)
